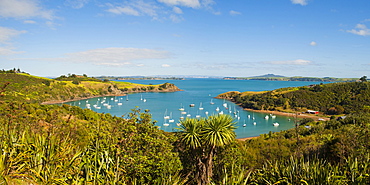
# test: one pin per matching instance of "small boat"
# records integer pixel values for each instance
(200, 106)
(211, 102)
(166, 124)
(276, 124)
(181, 108)
(141, 97)
(119, 103)
(171, 120)
(273, 116)
(165, 115)
(126, 97)
(266, 117)
(244, 125)
(178, 124)
(254, 123)
(192, 105)
(217, 109)
(249, 116)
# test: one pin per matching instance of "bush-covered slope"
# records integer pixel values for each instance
(333, 98)
(49, 144)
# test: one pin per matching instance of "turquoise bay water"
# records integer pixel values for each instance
(201, 93)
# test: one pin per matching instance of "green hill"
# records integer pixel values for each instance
(331, 99)
(28, 88)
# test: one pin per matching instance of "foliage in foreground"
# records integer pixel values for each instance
(68, 145)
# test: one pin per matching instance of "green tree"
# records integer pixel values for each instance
(363, 79)
(202, 137)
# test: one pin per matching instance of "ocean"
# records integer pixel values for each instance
(197, 100)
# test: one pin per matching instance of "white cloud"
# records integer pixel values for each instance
(177, 10)
(301, 2)
(124, 10)
(232, 12)
(187, 3)
(166, 65)
(29, 22)
(77, 4)
(23, 9)
(313, 43)
(8, 51)
(176, 18)
(291, 62)
(116, 56)
(361, 29)
(6, 35)
(136, 8)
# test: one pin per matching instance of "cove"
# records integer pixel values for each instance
(196, 100)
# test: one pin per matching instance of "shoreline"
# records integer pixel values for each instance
(247, 138)
(299, 115)
(51, 102)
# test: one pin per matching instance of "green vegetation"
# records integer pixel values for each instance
(331, 99)
(28, 88)
(202, 138)
(294, 78)
(50, 144)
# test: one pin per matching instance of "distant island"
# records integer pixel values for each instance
(273, 77)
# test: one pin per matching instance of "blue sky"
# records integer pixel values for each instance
(318, 38)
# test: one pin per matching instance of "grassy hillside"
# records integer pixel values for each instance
(28, 88)
(332, 99)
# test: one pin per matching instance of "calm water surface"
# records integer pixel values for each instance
(164, 107)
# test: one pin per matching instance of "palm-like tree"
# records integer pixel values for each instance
(202, 137)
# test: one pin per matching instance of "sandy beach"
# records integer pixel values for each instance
(315, 117)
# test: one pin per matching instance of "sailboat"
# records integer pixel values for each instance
(276, 124)
(200, 106)
(212, 102)
(171, 120)
(166, 116)
(127, 97)
(181, 108)
(141, 97)
(119, 102)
